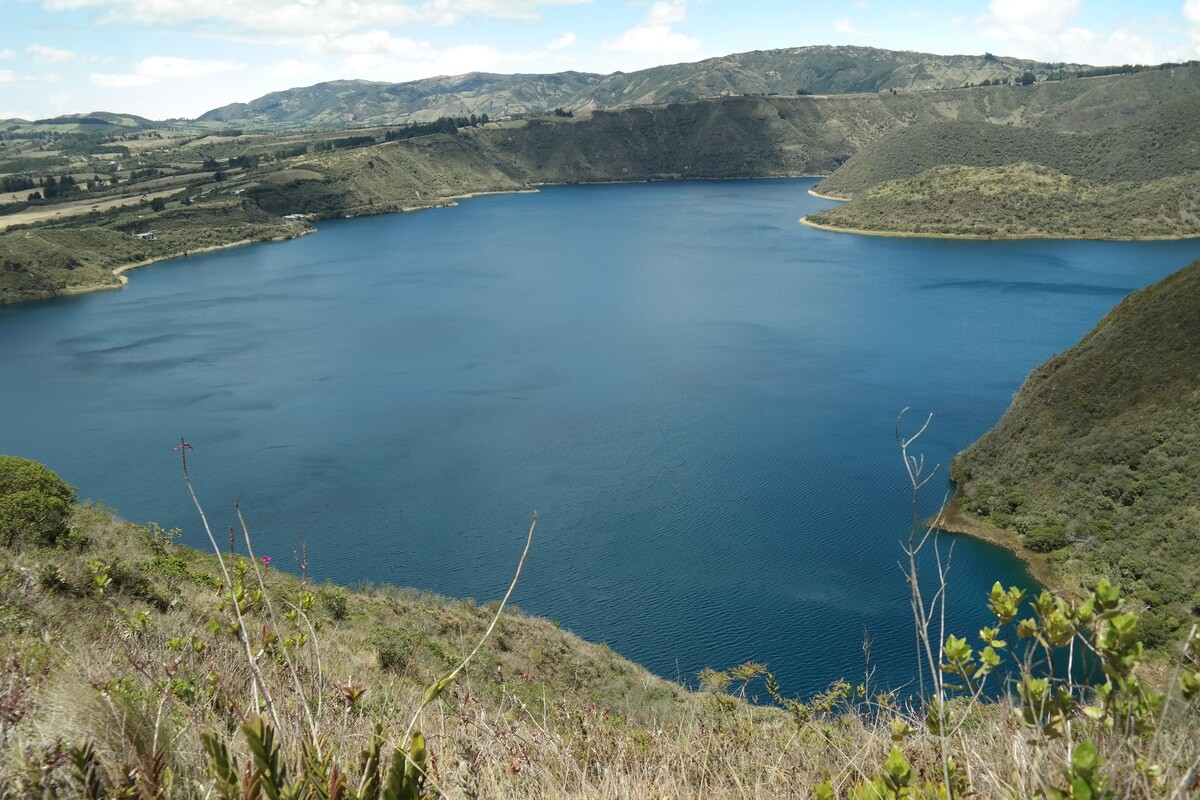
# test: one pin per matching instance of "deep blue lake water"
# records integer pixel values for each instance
(696, 392)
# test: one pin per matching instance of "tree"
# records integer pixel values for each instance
(158, 204)
(218, 176)
(35, 504)
(1027, 78)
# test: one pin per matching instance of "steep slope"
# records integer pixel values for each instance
(733, 137)
(1023, 201)
(1095, 461)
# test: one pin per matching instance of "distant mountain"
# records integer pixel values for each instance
(95, 122)
(808, 70)
(341, 104)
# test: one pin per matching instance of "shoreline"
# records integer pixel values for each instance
(123, 281)
(986, 238)
(815, 193)
(956, 522)
(444, 202)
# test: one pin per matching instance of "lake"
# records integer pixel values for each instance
(697, 393)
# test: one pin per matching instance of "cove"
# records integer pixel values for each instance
(696, 392)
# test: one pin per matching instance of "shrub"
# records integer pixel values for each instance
(1045, 537)
(35, 504)
(336, 600)
(396, 648)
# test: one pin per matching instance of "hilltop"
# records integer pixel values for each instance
(810, 70)
(100, 122)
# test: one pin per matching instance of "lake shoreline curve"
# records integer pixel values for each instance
(988, 238)
(953, 520)
(365, 211)
(815, 193)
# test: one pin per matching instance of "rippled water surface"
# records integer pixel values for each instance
(696, 392)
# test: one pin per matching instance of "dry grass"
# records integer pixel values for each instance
(139, 670)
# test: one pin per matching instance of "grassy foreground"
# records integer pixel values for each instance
(139, 668)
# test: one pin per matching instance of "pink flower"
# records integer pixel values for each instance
(266, 560)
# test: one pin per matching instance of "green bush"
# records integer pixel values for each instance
(396, 648)
(1046, 537)
(336, 600)
(35, 504)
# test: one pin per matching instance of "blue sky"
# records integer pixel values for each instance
(170, 58)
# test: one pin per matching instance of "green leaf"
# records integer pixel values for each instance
(435, 691)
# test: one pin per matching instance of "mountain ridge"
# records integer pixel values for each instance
(817, 69)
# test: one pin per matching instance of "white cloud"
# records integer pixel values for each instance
(410, 60)
(154, 69)
(657, 39)
(655, 35)
(7, 76)
(373, 42)
(291, 68)
(568, 39)
(117, 81)
(41, 52)
(1043, 29)
(1191, 12)
(1034, 28)
(158, 67)
(667, 12)
(6, 53)
(302, 17)
(378, 55)
(843, 25)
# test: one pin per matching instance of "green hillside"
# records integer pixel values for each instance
(1095, 462)
(1158, 143)
(1021, 201)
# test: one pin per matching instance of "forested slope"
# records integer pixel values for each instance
(1096, 460)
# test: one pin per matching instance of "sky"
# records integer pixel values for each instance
(179, 58)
